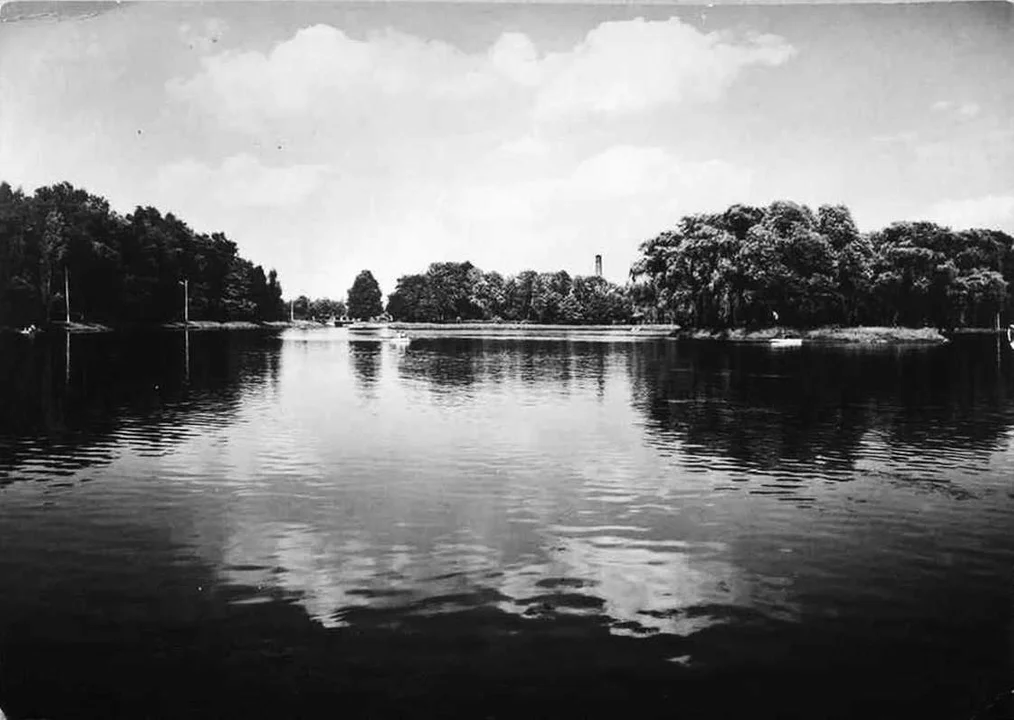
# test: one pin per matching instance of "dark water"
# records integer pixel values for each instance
(304, 526)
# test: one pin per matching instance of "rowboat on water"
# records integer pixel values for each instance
(786, 342)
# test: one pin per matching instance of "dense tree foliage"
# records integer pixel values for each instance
(750, 266)
(121, 269)
(364, 299)
(745, 266)
(451, 291)
(322, 309)
(326, 308)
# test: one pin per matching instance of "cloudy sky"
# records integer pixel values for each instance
(330, 137)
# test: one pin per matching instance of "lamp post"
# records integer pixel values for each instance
(186, 300)
(66, 292)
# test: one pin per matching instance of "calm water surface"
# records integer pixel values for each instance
(304, 525)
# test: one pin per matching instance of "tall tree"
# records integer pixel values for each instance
(364, 297)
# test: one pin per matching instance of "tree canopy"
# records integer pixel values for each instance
(120, 269)
(451, 291)
(364, 297)
(741, 267)
(748, 265)
(303, 308)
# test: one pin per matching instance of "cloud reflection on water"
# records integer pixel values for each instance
(635, 586)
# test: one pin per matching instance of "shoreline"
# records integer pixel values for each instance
(76, 328)
(866, 335)
(489, 329)
(857, 335)
(828, 335)
(853, 335)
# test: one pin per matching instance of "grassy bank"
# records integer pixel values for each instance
(488, 328)
(979, 331)
(838, 335)
(200, 325)
(195, 325)
(212, 325)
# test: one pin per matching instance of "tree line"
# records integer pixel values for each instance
(453, 291)
(321, 309)
(784, 263)
(120, 269)
(746, 266)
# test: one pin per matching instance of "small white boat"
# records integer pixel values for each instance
(786, 342)
(29, 331)
(400, 339)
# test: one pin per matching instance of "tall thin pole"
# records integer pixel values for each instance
(66, 291)
(292, 312)
(186, 300)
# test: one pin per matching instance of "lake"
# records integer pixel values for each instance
(307, 525)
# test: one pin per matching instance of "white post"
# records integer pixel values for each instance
(292, 312)
(186, 300)
(66, 291)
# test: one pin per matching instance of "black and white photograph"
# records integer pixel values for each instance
(498, 360)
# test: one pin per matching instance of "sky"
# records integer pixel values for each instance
(326, 138)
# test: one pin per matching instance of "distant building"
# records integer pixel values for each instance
(598, 266)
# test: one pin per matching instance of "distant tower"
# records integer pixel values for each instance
(598, 266)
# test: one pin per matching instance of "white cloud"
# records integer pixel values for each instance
(323, 74)
(502, 216)
(969, 109)
(990, 211)
(619, 68)
(633, 66)
(964, 110)
(498, 156)
(529, 146)
(241, 181)
(610, 201)
(514, 55)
